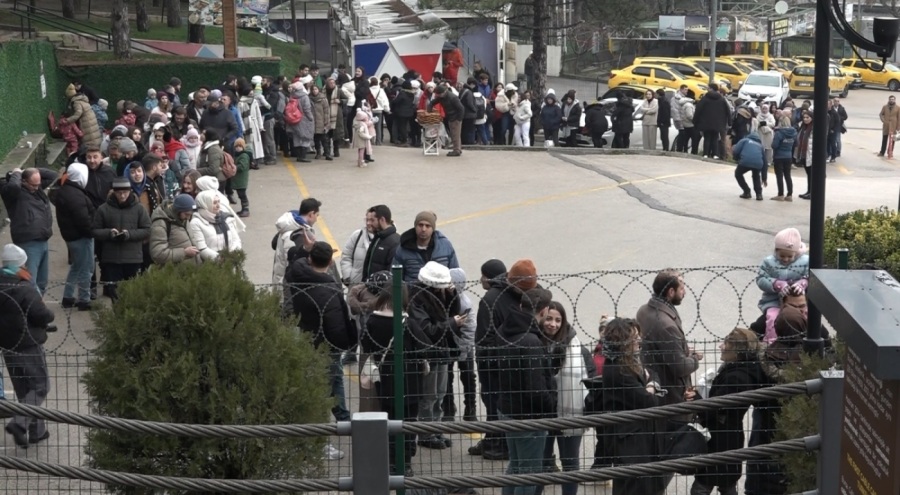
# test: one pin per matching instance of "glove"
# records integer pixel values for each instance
(801, 284)
(779, 285)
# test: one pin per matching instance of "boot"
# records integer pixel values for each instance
(318, 154)
(301, 157)
(369, 158)
(327, 148)
(244, 213)
(337, 150)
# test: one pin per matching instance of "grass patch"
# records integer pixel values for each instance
(291, 54)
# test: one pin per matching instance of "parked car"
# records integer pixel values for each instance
(874, 72)
(802, 81)
(732, 70)
(770, 85)
(689, 68)
(655, 75)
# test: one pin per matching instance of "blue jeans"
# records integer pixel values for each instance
(339, 410)
(526, 452)
(483, 132)
(569, 456)
(38, 264)
(434, 387)
(82, 256)
(837, 143)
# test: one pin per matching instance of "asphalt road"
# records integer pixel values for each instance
(597, 226)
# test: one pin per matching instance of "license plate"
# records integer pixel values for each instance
(804, 84)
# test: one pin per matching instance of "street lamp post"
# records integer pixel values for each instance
(829, 13)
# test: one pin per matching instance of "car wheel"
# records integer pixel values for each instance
(846, 92)
(894, 85)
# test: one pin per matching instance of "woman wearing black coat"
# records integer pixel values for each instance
(627, 386)
(623, 122)
(596, 123)
(663, 117)
(740, 372)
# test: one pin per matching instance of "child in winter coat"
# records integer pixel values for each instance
(192, 145)
(787, 267)
(362, 138)
(151, 102)
(71, 134)
(242, 160)
(99, 109)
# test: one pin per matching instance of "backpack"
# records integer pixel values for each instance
(292, 112)
(479, 107)
(229, 169)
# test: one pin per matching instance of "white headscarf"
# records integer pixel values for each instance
(210, 183)
(78, 173)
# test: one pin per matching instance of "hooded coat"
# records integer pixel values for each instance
(749, 152)
(623, 116)
(22, 330)
(526, 386)
(82, 114)
(712, 113)
(211, 159)
(130, 216)
(169, 237)
(321, 112)
(551, 116)
(318, 299)
(440, 250)
(302, 132)
(286, 225)
(74, 208)
(783, 143)
(336, 105)
(595, 119)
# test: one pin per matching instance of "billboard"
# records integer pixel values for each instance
(250, 13)
(696, 28)
(671, 27)
(742, 28)
(799, 24)
(737, 28)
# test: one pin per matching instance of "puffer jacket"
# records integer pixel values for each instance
(771, 270)
(551, 115)
(440, 250)
(353, 256)
(749, 152)
(783, 143)
(319, 301)
(525, 384)
(321, 112)
(211, 160)
(286, 224)
(169, 237)
(523, 112)
(132, 217)
(74, 212)
(84, 116)
(209, 241)
(623, 116)
(676, 110)
(381, 251)
(23, 315)
(595, 119)
(687, 109)
(403, 105)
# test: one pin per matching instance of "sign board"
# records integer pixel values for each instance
(250, 13)
(799, 24)
(870, 461)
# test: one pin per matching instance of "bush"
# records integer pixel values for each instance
(799, 416)
(872, 236)
(201, 345)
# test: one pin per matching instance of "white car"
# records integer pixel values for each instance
(769, 85)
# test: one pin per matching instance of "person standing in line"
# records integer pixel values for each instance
(31, 218)
(890, 123)
(522, 117)
(74, 216)
(711, 117)
(650, 108)
(803, 151)
(24, 319)
(453, 109)
(782, 148)
(623, 121)
(663, 117)
(842, 128)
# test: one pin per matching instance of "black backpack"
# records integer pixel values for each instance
(479, 107)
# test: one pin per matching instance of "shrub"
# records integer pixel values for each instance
(201, 345)
(799, 416)
(872, 236)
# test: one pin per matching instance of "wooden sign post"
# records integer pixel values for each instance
(229, 26)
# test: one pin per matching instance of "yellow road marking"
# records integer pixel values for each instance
(566, 195)
(304, 191)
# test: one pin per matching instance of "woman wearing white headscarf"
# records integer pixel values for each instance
(212, 229)
(210, 183)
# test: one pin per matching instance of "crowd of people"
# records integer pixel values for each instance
(158, 187)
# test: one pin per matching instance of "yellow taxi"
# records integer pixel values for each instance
(758, 61)
(802, 81)
(875, 72)
(655, 75)
(736, 72)
(853, 74)
(690, 69)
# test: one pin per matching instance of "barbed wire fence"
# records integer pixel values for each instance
(717, 299)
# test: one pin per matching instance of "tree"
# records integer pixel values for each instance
(196, 33)
(121, 31)
(173, 15)
(202, 345)
(142, 20)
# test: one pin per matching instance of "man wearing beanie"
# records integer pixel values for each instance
(169, 239)
(434, 319)
(455, 112)
(422, 244)
(22, 342)
(122, 225)
(31, 218)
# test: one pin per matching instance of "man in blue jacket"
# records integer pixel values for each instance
(422, 244)
(751, 157)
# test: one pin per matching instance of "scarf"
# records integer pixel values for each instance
(803, 141)
(172, 147)
(20, 272)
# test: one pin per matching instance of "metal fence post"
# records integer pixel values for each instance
(831, 412)
(399, 368)
(843, 258)
(371, 466)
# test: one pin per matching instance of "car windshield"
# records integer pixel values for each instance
(804, 71)
(762, 80)
(753, 63)
(891, 68)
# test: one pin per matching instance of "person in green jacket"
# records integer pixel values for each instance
(243, 157)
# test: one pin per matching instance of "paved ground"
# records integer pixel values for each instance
(571, 213)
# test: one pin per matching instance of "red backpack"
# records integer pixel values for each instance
(292, 112)
(229, 169)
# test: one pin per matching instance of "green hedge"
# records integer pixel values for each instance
(21, 106)
(871, 236)
(130, 80)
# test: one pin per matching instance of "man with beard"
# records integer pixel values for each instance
(422, 244)
(664, 347)
(380, 253)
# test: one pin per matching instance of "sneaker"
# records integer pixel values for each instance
(788, 198)
(432, 442)
(805, 196)
(495, 455)
(32, 439)
(746, 195)
(331, 453)
(777, 198)
(454, 153)
(715, 157)
(20, 435)
(67, 302)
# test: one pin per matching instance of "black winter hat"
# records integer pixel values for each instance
(378, 282)
(492, 269)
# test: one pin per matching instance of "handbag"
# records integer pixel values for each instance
(370, 374)
(687, 440)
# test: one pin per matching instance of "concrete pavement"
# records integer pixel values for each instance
(570, 212)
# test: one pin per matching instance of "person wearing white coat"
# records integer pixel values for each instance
(211, 229)
(253, 123)
(353, 255)
(382, 107)
(650, 107)
(522, 117)
(210, 183)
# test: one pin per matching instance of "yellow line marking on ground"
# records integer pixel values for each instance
(570, 194)
(304, 191)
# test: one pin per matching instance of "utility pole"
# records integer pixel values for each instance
(229, 26)
(713, 24)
